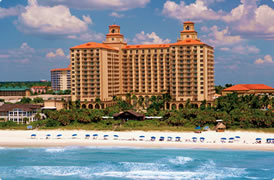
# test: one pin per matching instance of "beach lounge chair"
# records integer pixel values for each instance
(178, 139)
(87, 136)
(162, 138)
(202, 139)
(115, 137)
(95, 136)
(258, 140)
(237, 138)
(59, 136)
(74, 136)
(169, 138)
(105, 137)
(231, 140)
(153, 138)
(141, 138)
(48, 136)
(223, 140)
(268, 140)
(273, 141)
(194, 139)
(33, 136)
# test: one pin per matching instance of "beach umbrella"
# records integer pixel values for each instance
(141, 136)
(48, 135)
(177, 138)
(116, 136)
(198, 128)
(223, 138)
(202, 138)
(162, 138)
(87, 135)
(153, 137)
(105, 135)
(231, 138)
(258, 139)
(94, 135)
(33, 136)
(74, 135)
(194, 137)
(59, 135)
(238, 137)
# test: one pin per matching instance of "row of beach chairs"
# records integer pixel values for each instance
(161, 138)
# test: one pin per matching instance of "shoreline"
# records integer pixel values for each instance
(130, 139)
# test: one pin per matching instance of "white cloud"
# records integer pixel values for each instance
(21, 55)
(26, 48)
(118, 5)
(152, 38)
(245, 49)
(267, 60)
(56, 20)
(223, 37)
(58, 53)
(195, 11)
(13, 11)
(251, 19)
(247, 19)
(88, 36)
(115, 14)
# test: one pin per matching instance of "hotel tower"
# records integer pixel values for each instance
(184, 69)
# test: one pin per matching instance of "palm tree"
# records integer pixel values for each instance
(141, 101)
(128, 98)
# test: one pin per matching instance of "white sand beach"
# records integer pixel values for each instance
(247, 140)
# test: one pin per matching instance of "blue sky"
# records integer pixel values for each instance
(36, 34)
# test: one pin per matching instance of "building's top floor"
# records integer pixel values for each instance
(115, 40)
(62, 69)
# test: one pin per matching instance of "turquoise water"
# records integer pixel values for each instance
(126, 163)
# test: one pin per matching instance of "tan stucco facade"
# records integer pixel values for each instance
(184, 69)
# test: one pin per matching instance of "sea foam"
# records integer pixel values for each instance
(180, 160)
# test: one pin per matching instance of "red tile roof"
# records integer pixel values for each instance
(188, 41)
(246, 87)
(62, 69)
(140, 46)
(93, 45)
(188, 22)
(114, 25)
(183, 42)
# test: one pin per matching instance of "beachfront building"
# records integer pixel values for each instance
(184, 69)
(14, 91)
(247, 89)
(19, 112)
(60, 79)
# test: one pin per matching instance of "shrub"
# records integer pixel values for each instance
(52, 123)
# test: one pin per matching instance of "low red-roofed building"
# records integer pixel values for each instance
(246, 89)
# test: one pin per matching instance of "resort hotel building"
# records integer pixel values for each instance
(60, 79)
(184, 69)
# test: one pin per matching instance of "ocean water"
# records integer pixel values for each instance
(129, 163)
